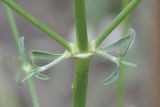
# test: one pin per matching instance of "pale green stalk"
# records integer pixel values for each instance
(13, 25)
(16, 36)
(33, 94)
(122, 78)
(126, 20)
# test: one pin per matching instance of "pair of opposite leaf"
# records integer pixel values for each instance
(122, 45)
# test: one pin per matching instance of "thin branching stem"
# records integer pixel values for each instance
(16, 36)
(126, 20)
(13, 25)
(116, 22)
(37, 23)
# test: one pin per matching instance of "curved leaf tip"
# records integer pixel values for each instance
(113, 77)
(132, 36)
(42, 76)
(122, 45)
(24, 53)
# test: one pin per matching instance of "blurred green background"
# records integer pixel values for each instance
(142, 84)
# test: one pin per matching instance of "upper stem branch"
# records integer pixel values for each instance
(17, 37)
(126, 20)
(13, 25)
(37, 23)
(81, 26)
(115, 22)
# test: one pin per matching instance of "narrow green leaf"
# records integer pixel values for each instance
(64, 56)
(23, 51)
(42, 76)
(122, 45)
(118, 44)
(129, 64)
(44, 55)
(113, 77)
(108, 56)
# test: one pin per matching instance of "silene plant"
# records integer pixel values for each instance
(82, 49)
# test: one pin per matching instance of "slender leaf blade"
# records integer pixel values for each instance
(131, 42)
(118, 44)
(23, 51)
(123, 45)
(44, 55)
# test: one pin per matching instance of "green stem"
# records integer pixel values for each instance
(81, 26)
(17, 37)
(33, 94)
(37, 23)
(80, 82)
(126, 20)
(13, 25)
(121, 87)
(122, 78)
(115, 22)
